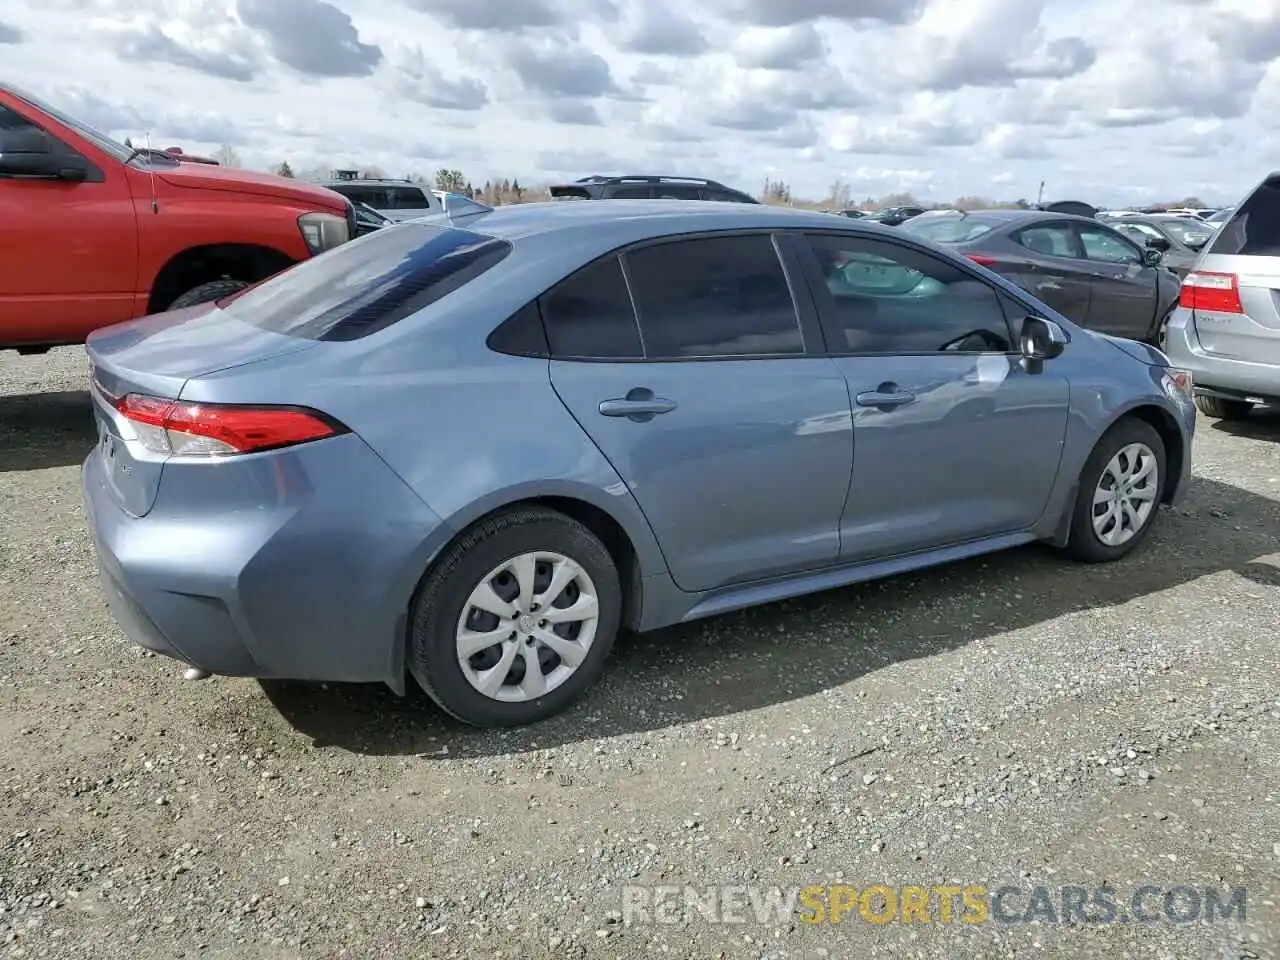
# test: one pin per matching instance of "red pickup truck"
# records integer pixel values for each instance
(93, 232)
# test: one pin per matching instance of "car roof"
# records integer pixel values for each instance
(624, 221)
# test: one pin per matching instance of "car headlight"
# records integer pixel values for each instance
(323, 231)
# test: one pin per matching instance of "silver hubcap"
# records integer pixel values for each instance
(527, 626)
(1126, 494)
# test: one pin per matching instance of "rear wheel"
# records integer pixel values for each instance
(516, 619)
(207, 293)
(1119, 493)
(1220, 408)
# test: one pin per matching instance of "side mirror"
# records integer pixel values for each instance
(1042, 339)
(1152, 257)
(1158, 243)
(29, 153)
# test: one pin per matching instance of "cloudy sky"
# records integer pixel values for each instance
(1115, 101)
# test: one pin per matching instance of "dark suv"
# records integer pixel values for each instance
(648, 188)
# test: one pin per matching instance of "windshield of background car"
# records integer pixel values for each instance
(99, 139)
(1189, 233)
(368, 284)
(950, 229)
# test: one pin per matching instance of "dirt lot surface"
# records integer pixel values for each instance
(1018, 720)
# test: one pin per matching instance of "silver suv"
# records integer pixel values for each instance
(394, 199)
(1226, 327)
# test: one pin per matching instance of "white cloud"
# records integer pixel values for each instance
(939, 97)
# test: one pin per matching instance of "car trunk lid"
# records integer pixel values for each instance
(155, 357)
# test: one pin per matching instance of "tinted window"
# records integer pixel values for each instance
(887, 298)
(406, 198)
(1253, 230)
(667, 191)
(589, 315)
(629, 193)
(521, 334)
(1053, 240)
(368, 284)
(1101, 244)
(714, 297)
(726, 196)
(375, 197)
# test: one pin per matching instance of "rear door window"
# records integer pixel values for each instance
(1050, 240)
(366, 285)
(589, 315)
(1254, 228)
(714, 297)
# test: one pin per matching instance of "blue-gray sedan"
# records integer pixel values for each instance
(473, 453)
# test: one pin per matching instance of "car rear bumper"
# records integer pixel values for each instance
(298, 564)
(1223, 376)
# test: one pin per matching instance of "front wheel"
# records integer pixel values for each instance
(1119, 493)
(516, 619)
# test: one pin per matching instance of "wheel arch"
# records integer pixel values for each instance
(1175, 445)
(1176, 452)
(194, 266)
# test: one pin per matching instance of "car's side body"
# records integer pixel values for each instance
(704, 512)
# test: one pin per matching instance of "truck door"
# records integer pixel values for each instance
(68, 248)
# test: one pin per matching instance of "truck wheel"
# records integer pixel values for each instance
(207, 293)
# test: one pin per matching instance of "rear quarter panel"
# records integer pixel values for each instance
(467, 429)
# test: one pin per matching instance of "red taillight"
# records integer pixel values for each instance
(1213, 292)
(207, 429)
(981, 259)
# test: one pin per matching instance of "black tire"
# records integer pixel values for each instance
(207, 293)
(1220, 408)
(1084, 543)
(1159, 337)
(432, 651)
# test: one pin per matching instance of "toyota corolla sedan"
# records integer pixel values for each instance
(472, 454)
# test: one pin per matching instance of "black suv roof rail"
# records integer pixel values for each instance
(652, 178)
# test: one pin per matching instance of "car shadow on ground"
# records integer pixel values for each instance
(780, 652)
(39, 431)
(1262, 423)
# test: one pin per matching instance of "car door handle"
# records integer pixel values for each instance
(639, 405)
(885, 399)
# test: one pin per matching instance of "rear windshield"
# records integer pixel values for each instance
(368, 284)
(950, 229)
(1254, 228)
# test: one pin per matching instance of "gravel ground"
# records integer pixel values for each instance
(1014, 720)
